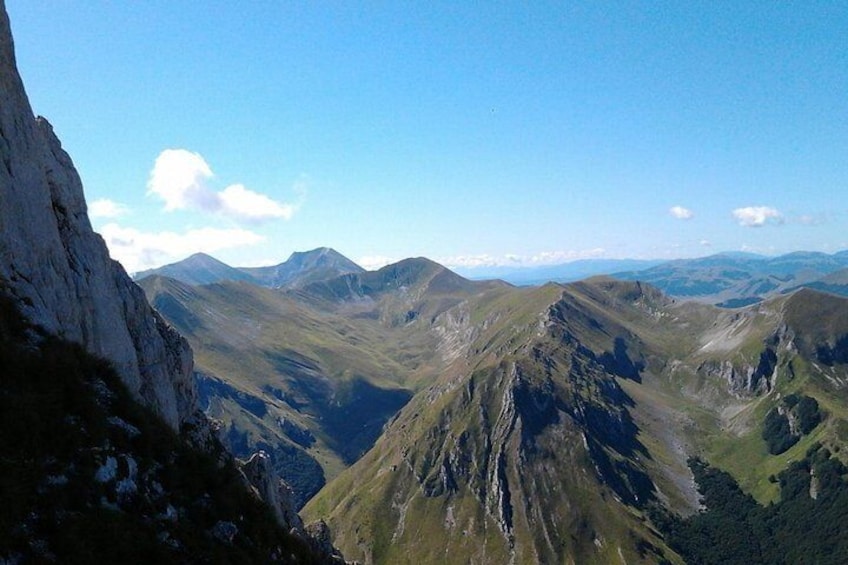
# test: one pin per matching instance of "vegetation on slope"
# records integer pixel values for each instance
(778, 430)
(808, 525)
(87, 475)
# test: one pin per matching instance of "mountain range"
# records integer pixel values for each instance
(565, 272)
(416, 415)
(737, 279)
(729, 280)
(301, 268)
(514, 424)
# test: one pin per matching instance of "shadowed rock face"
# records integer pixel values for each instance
(59, 270)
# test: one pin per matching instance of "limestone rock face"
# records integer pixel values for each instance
(59, 268)
(261, 476)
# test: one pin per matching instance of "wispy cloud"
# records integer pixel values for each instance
(681, 213)
(757, 216)
(813, 219)
(373, 262)
(241, 203)
(514, 260)
(105, 208)
(556, 257)
(181, 179)
(138, 250)
(481, 260)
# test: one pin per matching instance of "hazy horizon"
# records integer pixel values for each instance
(481, 271)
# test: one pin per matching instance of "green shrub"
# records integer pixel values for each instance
(735, 529)
(56, 402)
(808, 414)
(777, 433)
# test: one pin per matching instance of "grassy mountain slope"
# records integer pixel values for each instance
(282, 377)
(312, 375)
(550, 442)
(525, 453)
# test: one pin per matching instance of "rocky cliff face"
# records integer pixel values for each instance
(54, 264)
(260, 475)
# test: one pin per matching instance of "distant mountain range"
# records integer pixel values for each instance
(198, 269)
(301, 268)
(565, 272)
(734, 280)
(730, 280)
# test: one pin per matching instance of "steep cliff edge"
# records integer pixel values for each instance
(59, 270)
(80, 349)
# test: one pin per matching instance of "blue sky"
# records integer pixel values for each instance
(472, 133)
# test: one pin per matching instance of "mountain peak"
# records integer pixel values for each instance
(317, 252)
(421, 271)
(415, 263)
(196, 269)
(304, 267)
(321, 256)
(202, 257)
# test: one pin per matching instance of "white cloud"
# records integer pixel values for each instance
(557, 257)
(813, 219)
(180, 178)
(137, 250)
(242, 203)
(472, 261)
(681, 213)
(105, 208)
(374, 262)
(705, 243)
(757, 216)
(513, 260)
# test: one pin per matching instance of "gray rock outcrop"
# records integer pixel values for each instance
(260, 475)
(59, 269)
